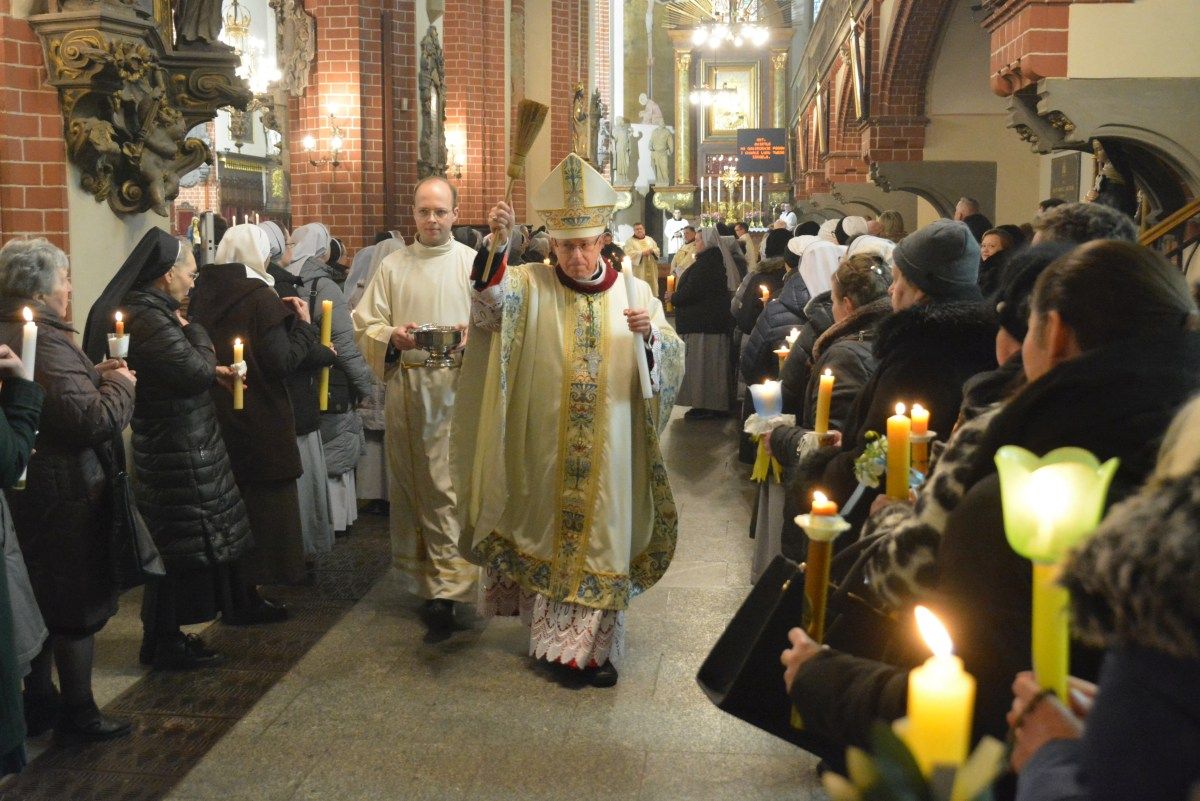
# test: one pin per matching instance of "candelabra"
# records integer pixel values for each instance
(335, 144)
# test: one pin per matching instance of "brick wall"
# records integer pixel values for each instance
(603, 43)
(33, 173)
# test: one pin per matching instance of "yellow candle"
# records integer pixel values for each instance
(1051, 629)
(766, 293)
(781, 354)
(670, 283)
(120, 327)
(822, 506)
(898, 456)
(941, 701)
(237, 380)
(326, 340)
(920, 420)
(816, 569)
(824, 398)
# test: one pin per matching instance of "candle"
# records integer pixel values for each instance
(898, 457)
(639, 343)
(237, 379)
(817, 564)
(822, 506)
(326, 340)
(718, 189)
(671, 283)
(920, 420)
(941, 701)
(781, 353)
(766, 293)
(120, 328)
(28, 342)
(768, 400)
(256, 218)
(824, 399)
(546, 261)
(792, 337)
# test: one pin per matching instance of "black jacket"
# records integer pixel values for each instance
(305, 357)
(782, 314)
(747, 301)
(798, 365)
(701, 299)
(925, 354)
(183, 482)
(1112, 401)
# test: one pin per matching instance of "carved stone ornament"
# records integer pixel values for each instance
(297, 40)
(128, 103)
(670, 199)
(431, 84)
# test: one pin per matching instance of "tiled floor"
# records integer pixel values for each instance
(375, 711)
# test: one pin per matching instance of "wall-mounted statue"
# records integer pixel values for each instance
(596, 112)
(198, 24)
(604, 147)
(581, 124)
(651, 114)
(626, 144)
(297, 44)
(662, 150)
(431, 81)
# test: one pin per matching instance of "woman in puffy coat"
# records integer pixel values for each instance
(63, 517)
(182, 478)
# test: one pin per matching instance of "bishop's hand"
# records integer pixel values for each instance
(501, 220)
(639, 321)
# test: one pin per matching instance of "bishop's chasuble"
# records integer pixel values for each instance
(563, 492)
(423, 285)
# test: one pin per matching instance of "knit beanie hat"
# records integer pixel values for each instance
(942, 260)
(1020, 274)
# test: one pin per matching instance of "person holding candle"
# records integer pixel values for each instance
(350, 379)
(701, 301)
(184, 485)
(63, 517)
(771, 272)
(238, 299)
(1090, 386)
(566, 540)
(785, 311)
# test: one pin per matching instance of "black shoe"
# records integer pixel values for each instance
(263, 612)
(89, 724)
(41, 711)
(186, 652)
(603, 676)
(346, 532)
(438, 614)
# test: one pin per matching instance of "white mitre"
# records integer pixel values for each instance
(575, 201)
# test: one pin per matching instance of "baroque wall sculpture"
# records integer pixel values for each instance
(431, 83)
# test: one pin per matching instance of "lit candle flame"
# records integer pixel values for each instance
(27, 313)
(237, 343)
(118, 317)
(819, 497)
(900, 408)
(828, 372)
(918, 408)
(934, 632)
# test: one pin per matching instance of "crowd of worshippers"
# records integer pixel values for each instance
(1059, 332)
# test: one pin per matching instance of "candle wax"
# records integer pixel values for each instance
(898, 455)
(28, 342)
(120, 325)
(920, 420)
(941, 701)
(824, 399)
(238, 385)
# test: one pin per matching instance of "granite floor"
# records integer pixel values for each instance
(374, 710)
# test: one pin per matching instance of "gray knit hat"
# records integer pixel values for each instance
(942, 260)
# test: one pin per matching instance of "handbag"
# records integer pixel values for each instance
(132, 554)
(742, 674)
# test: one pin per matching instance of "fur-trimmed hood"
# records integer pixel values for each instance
(1137, 581)
(861, 324)
(939, 324)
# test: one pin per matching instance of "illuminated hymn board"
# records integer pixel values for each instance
(761, 150)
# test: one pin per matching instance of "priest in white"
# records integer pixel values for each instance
(563, 492)
(427, 282)
(673, 232)
(643, 253)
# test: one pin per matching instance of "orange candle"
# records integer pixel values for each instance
(120, 328)
(670, 283)
(824, 399)
(781, 354)
(822, 506)
(920, 420)
(899, 429)
(237, 380)
(766, 293)
(816, 569)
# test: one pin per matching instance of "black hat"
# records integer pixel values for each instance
(1020, 274)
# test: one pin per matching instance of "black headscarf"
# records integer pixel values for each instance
(776, 242)
(152, 257)
(809, 228)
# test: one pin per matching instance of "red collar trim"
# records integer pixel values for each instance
(610, 278)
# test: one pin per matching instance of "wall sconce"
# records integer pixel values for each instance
(335, 144)
(456, 152)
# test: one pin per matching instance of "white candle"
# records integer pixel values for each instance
(639, 343)
(760, 189)
(718, 189)
(28, 342)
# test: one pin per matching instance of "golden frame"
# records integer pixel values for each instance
(744, 76)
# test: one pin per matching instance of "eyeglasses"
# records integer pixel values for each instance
(437, 214)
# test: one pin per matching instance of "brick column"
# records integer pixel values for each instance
(33, 155)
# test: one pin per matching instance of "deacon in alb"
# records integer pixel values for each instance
(427, 282)
(562, 486)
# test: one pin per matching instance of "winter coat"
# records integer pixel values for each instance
(701, 298)
(63, 517)
(925, 354)
(845, 349)
(183, 482)
(1133, 591)
(783, 313)
(22, 630)
(261, 437)
(304, 358)
(794, 376)
(1112, 401)
(344, 441)
(350, 372)
(747, 302)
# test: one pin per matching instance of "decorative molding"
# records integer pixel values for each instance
(129, 101)
(297, 40)
(431, 83)
(674, 197)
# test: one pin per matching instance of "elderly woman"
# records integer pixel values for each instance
(63, 518)
(236, 299)
(184, 485)
(702, 318)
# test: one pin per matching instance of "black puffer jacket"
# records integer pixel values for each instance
(702, 298)
(798, 366)
(184, 484)
(773, 325)
(747, 301)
